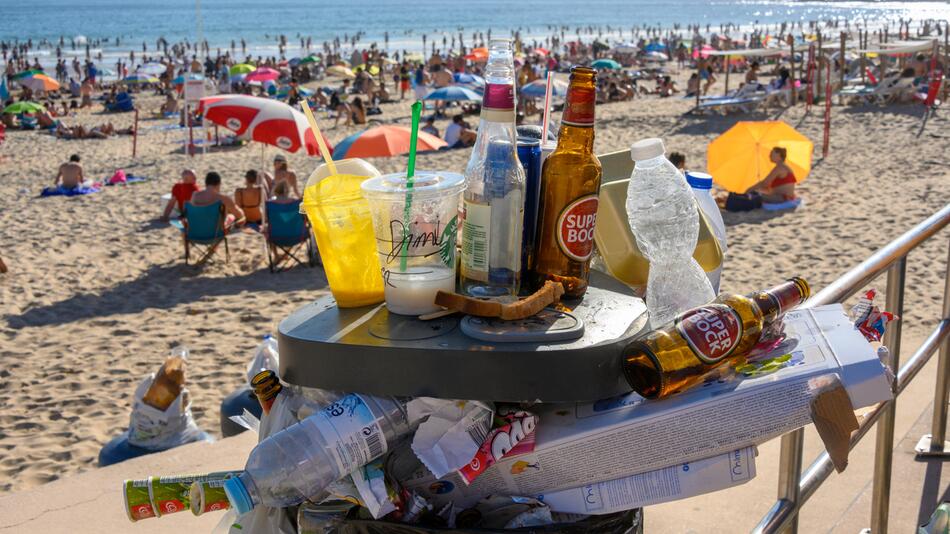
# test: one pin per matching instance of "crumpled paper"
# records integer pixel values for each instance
(452, 433)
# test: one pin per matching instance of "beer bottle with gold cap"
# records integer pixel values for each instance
(570, 184)
(677, 356)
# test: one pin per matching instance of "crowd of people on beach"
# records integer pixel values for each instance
(351, 82)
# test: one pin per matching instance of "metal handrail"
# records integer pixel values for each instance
(794, 487)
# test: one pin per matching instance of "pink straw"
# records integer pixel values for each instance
(547, 109)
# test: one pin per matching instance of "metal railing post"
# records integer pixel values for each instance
(789, 472)
(884, 444)
(934, 444)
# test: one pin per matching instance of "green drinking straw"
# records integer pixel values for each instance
(410, 173)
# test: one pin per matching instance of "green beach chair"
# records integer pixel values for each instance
(286, 233)
(203, 228)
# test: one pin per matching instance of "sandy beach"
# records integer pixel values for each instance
(97, 291)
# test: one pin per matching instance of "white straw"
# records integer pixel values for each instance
(547, 108)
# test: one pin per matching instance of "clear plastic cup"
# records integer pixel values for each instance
(343, 228)
(416, 252)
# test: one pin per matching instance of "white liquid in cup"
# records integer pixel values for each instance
(413, 292)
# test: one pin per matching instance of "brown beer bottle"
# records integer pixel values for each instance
(570, 184)
(677, 356)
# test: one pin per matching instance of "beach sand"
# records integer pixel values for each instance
(98, 293)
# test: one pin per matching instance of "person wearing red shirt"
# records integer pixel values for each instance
(181, 193)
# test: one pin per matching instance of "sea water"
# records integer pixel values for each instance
(260, 23)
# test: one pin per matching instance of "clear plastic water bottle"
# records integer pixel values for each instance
(664, 219)
(300, 461)
(701, 184)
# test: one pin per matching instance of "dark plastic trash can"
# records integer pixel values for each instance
(235, 404)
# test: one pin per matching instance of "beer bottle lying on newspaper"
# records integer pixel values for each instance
(677, 356)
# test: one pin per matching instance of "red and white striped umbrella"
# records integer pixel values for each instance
(263, 120)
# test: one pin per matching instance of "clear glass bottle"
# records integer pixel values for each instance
(493, 203)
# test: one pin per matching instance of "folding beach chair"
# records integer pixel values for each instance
(287, 232)
(203, 228)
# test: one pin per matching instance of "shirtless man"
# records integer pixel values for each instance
(70, 173)
(282, 174)
(212, 193)
(86, 92)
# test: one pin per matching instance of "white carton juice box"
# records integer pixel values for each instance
(588, 443)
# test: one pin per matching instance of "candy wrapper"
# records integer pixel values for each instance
(450, 437)
(869, 319)
(514, 434)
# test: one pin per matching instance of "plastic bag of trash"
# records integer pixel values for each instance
(152, 428)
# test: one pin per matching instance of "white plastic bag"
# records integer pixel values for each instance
(266, 358)
(151, 428)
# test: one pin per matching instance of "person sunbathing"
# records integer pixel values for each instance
(181, 193)
(779, 185)
(70, 174)
(250, 197)
(211, 194)
(170, 106)
(282, 173)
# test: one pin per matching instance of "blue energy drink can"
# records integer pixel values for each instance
(529, 153)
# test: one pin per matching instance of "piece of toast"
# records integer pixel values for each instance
(549, 294)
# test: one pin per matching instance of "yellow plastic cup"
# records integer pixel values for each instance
(342, 225)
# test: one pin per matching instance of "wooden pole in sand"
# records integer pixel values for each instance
(818, 73)
(726, 90)
(864, 65)
(699, 76)
(826, 138)
(135, 133)
(844, 37)
(791, 58)
(946, 59)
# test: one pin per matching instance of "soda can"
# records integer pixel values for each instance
(171, 495)
(529, 153)
(138, 503)
(208, 496)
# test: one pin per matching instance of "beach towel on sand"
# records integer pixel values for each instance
(787, 205)
(60, 191)
(121, 178)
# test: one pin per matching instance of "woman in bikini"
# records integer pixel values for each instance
(779, 185)
(250, 198)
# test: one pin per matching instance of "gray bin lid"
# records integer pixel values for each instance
(369, 350)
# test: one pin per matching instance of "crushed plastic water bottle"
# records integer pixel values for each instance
(300, 461)
(664, 219)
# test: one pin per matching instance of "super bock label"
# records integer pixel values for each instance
(575, 228)
(712, 331)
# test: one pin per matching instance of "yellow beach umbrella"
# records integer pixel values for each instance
(739, 158)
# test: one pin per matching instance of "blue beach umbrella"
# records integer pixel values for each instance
(453, 93)
(537, 88)
(469, 79)
(606, 64)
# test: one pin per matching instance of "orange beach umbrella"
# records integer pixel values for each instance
(739, 158)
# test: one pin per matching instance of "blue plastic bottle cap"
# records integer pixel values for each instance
(238, 495)
(699, 180)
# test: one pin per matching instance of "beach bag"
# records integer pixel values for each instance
(746, 202)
